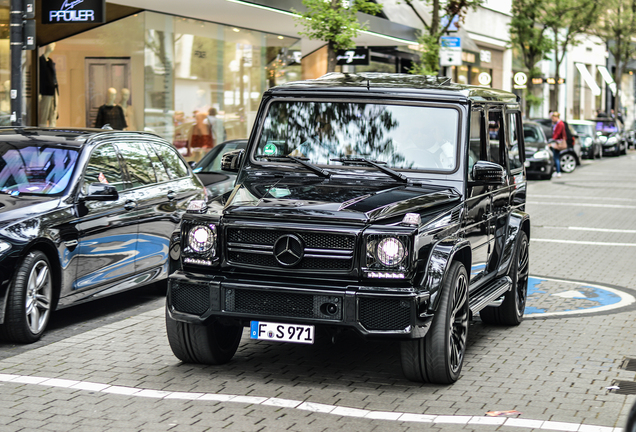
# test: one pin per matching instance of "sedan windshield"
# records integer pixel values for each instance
(399, 136)
(35, 169)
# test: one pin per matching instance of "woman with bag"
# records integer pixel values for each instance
(559, 140)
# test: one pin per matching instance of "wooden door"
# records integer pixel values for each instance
(101, 74)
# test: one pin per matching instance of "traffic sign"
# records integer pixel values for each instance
(450, 51)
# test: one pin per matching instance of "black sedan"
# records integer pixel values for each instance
(611, 136)
(209, 171)
(539, 158)
(591, 147)
(83, 214)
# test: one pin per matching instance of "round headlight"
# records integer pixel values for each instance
(202, 238)
(390, 251)
(541, 154)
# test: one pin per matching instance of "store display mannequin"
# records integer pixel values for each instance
(48, 88)
(110, 113)
(129, 112)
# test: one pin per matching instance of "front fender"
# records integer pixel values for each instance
(439, 261)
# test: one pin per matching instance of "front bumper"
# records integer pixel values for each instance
(541, 167)
(373, 312)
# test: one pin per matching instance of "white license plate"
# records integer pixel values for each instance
(282, 332)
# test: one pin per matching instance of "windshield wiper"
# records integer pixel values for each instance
(301, 161)
(362, 161)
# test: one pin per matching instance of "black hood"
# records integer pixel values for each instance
(359, 201)
(16, 208)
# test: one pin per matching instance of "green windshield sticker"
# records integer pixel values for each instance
(270, 149)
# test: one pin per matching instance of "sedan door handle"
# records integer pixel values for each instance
(130, 205)
(171, 195)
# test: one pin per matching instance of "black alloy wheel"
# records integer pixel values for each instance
(439, 356)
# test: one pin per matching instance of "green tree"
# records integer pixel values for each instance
(568, 19)
(335, 22)
(443, 14)
(529, 36)
(616, 27)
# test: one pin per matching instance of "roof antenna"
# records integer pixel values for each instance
(368, 84)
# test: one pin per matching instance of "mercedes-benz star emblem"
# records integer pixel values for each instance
(288, 250)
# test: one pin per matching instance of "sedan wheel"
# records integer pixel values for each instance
(29, 301)
(568, 163)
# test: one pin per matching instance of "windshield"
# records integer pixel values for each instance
(582, 129)
(402, 137)
(35, 169)
(533, 134)
(606, 127)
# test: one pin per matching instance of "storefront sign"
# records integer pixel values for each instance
(73, 11)
(521, 80)
(484, 78)
(554, 80)
(485, 56)
(358, 56)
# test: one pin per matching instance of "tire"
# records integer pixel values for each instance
(212, 344)
(439, 356)
(568, 162)
(510, 313)
(29, 301)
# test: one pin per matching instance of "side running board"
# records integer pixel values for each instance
(489, 294)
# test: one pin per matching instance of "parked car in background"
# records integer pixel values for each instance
(611, 136)
(591, 147)
(209, 168)
(570, 158)
(539, 158)
(84, 213)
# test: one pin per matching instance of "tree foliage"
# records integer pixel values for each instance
(335, 22)
(529, 35)
(443, 14)
(616, 27)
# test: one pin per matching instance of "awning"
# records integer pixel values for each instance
(587, 77)
(608, 78)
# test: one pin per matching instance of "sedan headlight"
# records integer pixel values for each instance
(4, 246)
(611, 140)
(202, 238)
(587, 142)
(541, 154)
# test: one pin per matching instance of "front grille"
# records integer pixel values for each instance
(190, 298)
(321, 251)
(384, 314)
(277, 304)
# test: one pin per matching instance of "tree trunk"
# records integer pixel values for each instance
(331, 57)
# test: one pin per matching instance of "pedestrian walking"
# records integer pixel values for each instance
(559, 140)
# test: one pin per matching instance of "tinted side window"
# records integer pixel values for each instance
(474, 147)
(103, 167)
(515, 160)
(160, 169)
(171, 160)
(138, 163)
(495, 133)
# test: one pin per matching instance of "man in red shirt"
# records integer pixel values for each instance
(558, 134)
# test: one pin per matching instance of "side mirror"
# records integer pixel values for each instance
(101, 192)
(489, 173)
(232, 160)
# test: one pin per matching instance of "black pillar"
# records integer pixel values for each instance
(16, 42)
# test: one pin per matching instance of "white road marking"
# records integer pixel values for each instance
(579, 242)
(620, 206)
(583, 198)
(571, 294)
(608, 230)
(307, 406)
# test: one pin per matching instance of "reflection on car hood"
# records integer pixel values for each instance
(532, 148)
(14, 208)
(357, 201)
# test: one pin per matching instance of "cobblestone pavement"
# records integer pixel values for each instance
(554, 370)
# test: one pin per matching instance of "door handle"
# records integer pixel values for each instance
(130, 205)
(171, 195)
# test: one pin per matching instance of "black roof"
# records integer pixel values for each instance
(67, 136)
(393, 83)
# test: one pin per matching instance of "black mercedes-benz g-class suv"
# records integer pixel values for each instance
(391, 205)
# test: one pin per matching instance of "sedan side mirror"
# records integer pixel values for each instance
(101, 192)
(232, 160)
(489, 173)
